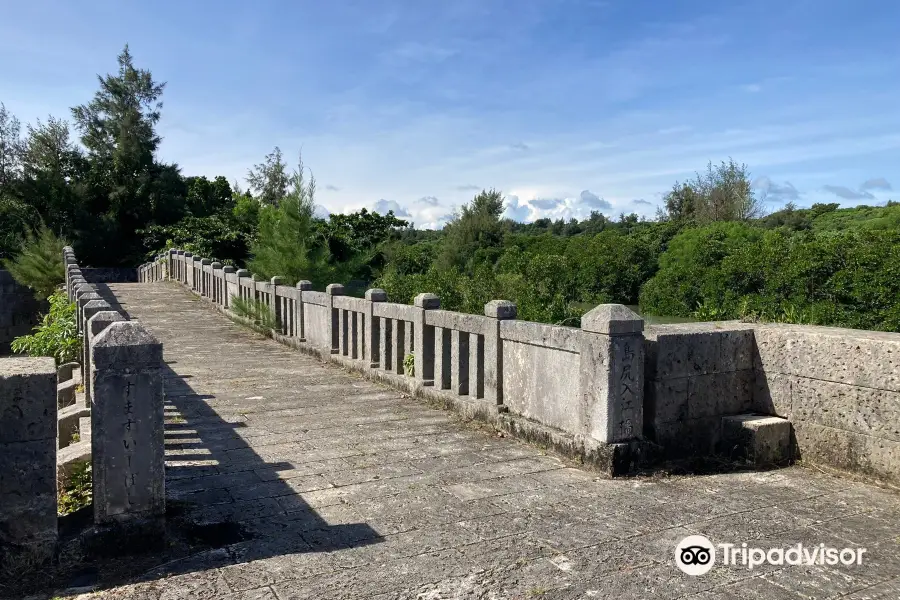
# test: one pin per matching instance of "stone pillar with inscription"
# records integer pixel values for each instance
(612, 374)
(127, 442)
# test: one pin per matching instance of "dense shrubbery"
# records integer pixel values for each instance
(830, 277)
(56, 335)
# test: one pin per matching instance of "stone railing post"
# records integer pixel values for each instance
(90, 309)
(333, 321)
(246, 274)
(423, 355)
(205, 278)
(71, 264)
(27, 456)
(188, 272)
(179, 261)
(276, 303)
(218, 283)
(302, 286)
(226, 293)
(612, 374)
(95, 325)
(76, 280)
(198, 273)
(170, 263)
(500, 310)
(127, 441)
(372, 328)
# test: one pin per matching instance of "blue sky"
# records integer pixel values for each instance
(564, 105)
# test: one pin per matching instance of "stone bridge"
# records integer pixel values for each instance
(366, 449)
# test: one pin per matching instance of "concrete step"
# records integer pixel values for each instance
(761, 440)
(68, 458)
(67, 371)
(68, 423)
(65, 393)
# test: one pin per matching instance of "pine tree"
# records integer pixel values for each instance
(288, 244)
(39, 264)
(118, 130)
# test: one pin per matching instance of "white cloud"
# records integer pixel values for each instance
(516, 210)
(384, 206)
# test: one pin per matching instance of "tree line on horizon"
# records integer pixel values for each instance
(710, 253)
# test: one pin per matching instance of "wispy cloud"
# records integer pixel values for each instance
(847, 194)
(332, 188)
(593, 201)
(779, 192)
(414, 51)
(546, 203)
(879, 183)
(642, 201)
(675, 129)
(429, 200)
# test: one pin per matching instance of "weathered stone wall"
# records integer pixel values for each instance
(696, 374)
(19, 310)
(315, 321)
(541, 373)
(841, 390)
(27, 455)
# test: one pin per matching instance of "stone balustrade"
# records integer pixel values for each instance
(611, 392)
(489, 366)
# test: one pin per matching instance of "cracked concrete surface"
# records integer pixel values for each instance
(354, 490)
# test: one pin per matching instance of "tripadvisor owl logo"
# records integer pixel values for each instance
(695, 555)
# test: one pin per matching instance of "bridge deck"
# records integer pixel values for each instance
(354, 490)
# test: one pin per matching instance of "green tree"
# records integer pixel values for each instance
(270, 179)
(476, 227)
(287, 244)
(52, 166)
(17, 219)
(118, 132)
(722, 193)
(39, 264)
(11, 148)
(357, 238)
(205, 197)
